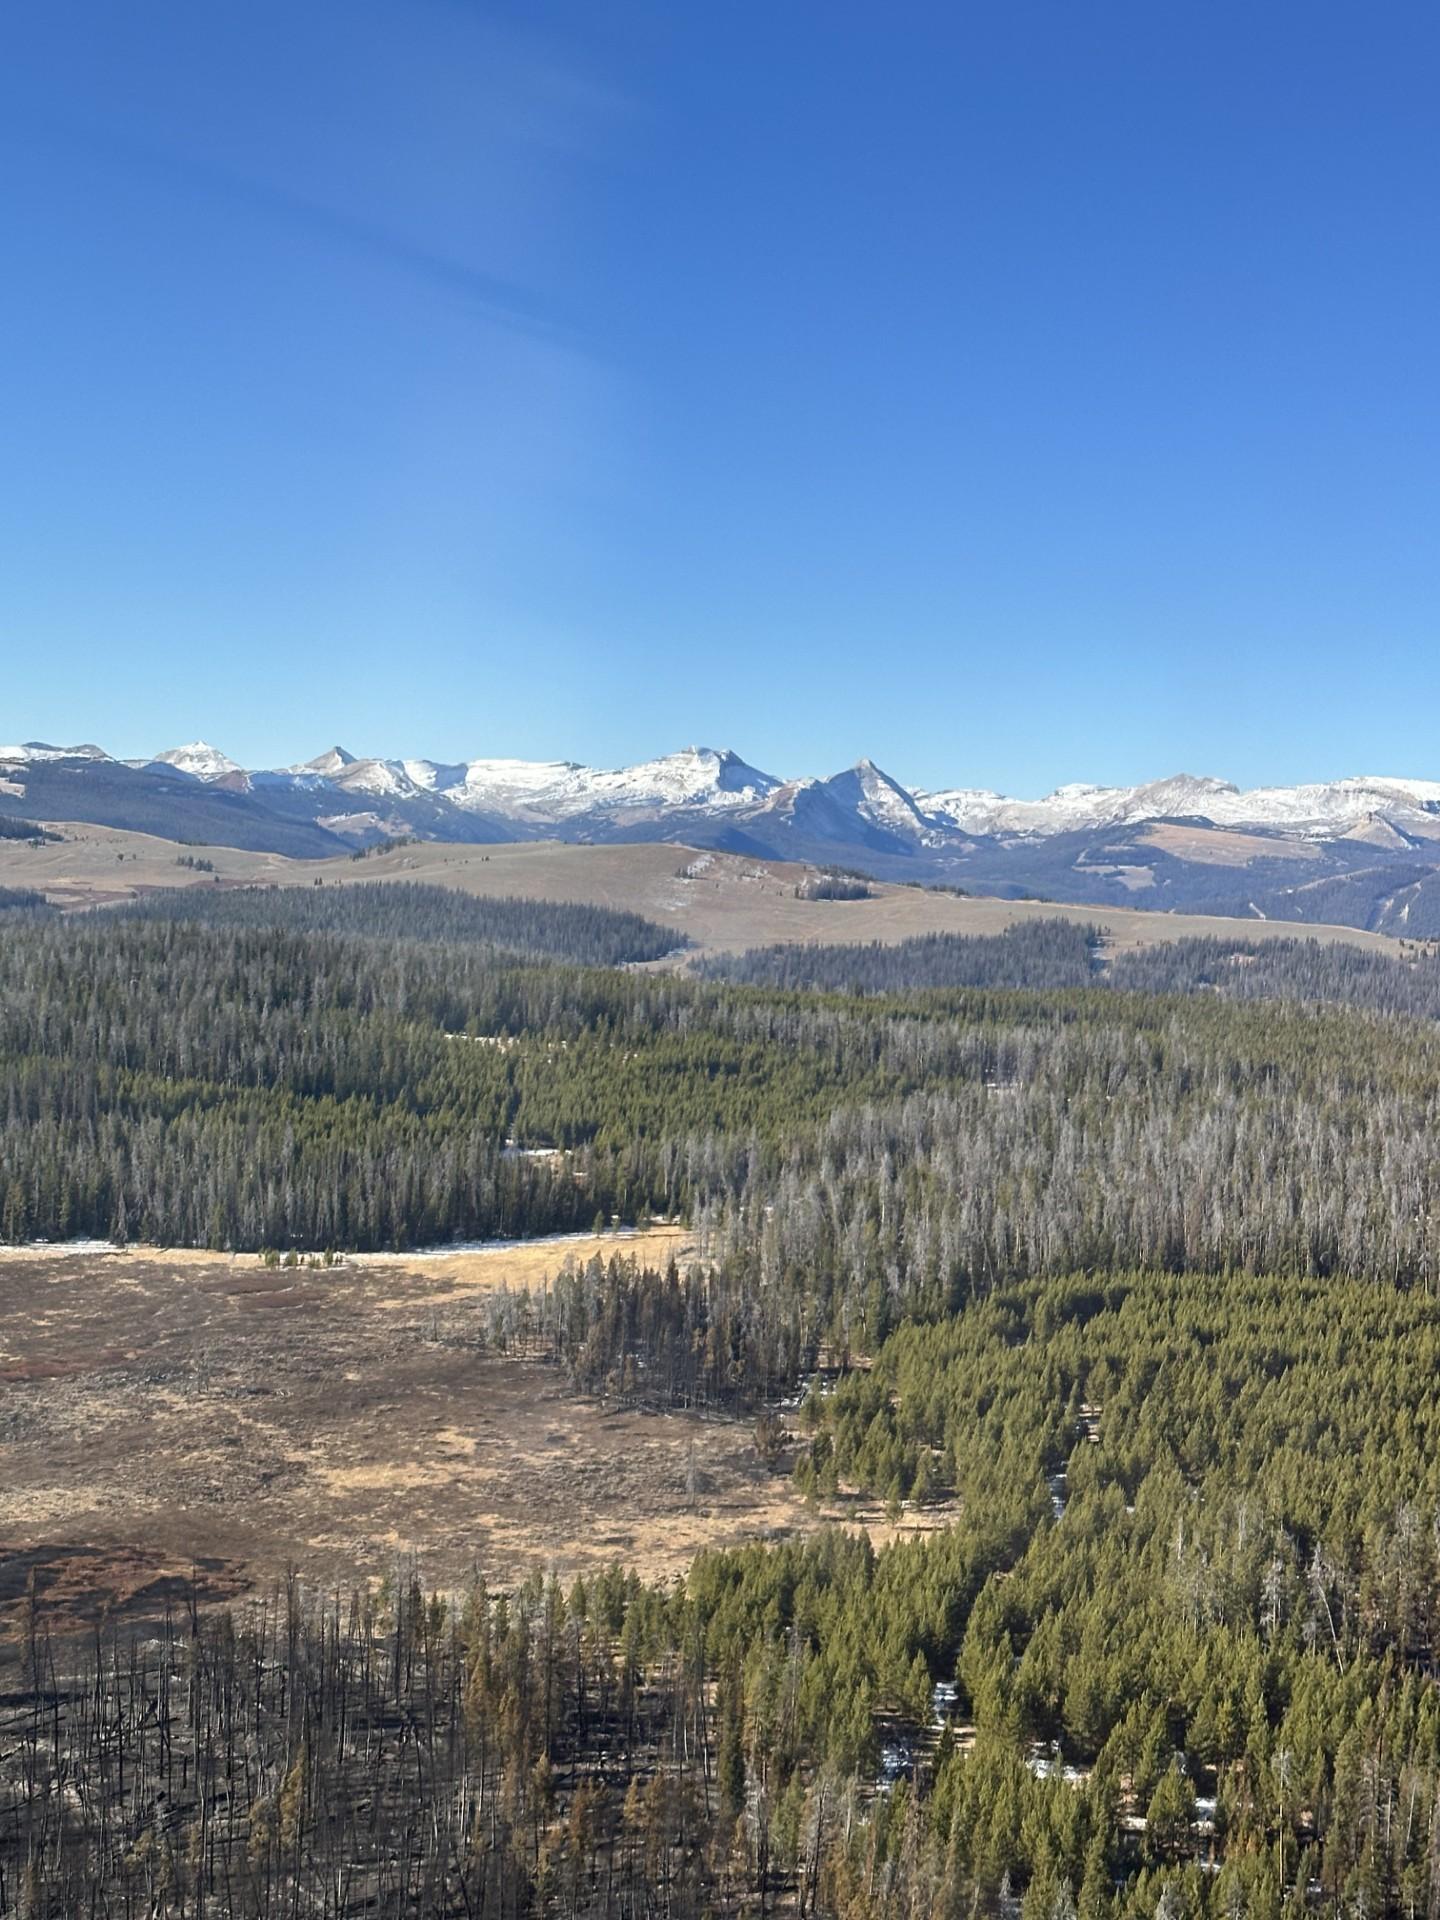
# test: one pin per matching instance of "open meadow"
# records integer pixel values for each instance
(718, 902)
(168, 1413)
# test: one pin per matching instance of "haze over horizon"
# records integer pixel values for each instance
(1027, 398)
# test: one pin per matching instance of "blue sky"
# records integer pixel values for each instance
(1012, 392)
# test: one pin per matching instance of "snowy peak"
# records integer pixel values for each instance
(549, 791)
(524, 790)
(199, 759)
(881, 802)
(1181, 794)
(1069, 809)
(435, 776)
(693, 777)
(387, 779)
(333, 761)
(711, 796)
(697, 777)
(1315, 810)
(536, 794)
(40, 751)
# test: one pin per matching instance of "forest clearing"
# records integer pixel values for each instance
(176, 1412)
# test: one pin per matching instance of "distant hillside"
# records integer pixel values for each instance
(107, 793)
(1362, 851)
(708, 903)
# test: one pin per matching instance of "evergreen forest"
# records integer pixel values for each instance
(1115, 1280)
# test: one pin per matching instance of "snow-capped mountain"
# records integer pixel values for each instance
(539, 794)
(546, 792)
(36, 752)
(199, 759)
(329, 765)
(1313, 809)
(1188, 841)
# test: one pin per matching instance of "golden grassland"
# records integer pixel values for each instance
(168, 1412)
(720, 902)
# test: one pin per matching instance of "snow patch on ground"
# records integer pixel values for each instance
(595, 1242)
(65, 1249)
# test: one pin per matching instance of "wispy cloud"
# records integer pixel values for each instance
(502, 301)
(420, 135)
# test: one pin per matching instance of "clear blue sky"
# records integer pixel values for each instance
(1013, 392)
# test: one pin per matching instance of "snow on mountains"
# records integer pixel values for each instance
(544, 792)
(39, 751)
(1312, 810)
(1364, 851)
(200, 759)
(863, 802)
(1317, 809)
(540, 793)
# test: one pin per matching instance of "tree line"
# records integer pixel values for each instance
(12, 827)
(871, 1158)
(1054, 954)
(1032, 953)
(409, 910)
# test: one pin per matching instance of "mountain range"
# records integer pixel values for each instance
(1362, 851)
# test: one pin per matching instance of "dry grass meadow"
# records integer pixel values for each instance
(721, 902)
(166, 1413)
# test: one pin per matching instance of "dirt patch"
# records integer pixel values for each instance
(155, 1417)
(70, 1586)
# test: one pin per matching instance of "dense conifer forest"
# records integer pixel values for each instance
(1063, 953)
(21, 898)
(250, 1088)
(407, 910)
(1123, 1290)
(1404, 981)
(1035, 953)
